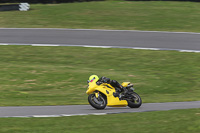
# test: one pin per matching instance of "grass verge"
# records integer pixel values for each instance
(129, 15)
(176, 121)
(57, 75)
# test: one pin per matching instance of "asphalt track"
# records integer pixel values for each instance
(123, 39)
(73, 110)
(117, 38)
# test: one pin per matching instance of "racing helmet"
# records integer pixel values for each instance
(93, 78)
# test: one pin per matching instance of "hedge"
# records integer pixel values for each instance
(43, 1)
(67, 1)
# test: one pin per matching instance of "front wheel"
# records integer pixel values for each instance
(98, 103)
(135, 102)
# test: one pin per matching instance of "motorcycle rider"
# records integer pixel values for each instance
(113, 83)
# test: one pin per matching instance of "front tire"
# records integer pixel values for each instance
(97, 103)
(135, 102)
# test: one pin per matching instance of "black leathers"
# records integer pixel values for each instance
(114, 83)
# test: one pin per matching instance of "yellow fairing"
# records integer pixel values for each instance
(125, 84)
(107, 90)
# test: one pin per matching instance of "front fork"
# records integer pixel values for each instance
(97, 95)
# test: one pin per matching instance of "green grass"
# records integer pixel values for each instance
(57, 75)
(129, 15)
(176, 121)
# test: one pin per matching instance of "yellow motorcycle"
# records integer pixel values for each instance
(103, 94)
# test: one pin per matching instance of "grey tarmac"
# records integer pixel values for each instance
(122, 38)
(75, 110)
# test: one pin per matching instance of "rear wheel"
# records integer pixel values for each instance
(135, 102)
(98, 103)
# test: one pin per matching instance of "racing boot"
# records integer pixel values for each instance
(116, 94)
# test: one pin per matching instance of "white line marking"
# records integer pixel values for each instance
(39, 116)
(65, 115)
(3, 44)
(72, 114)
(87, 46)
(99, 114)
(44, 45)
(147, 48)
(70, 45)
(195, 51)
(61, 115)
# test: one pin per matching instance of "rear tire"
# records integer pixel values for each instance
(97, 103)
(135, 102)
